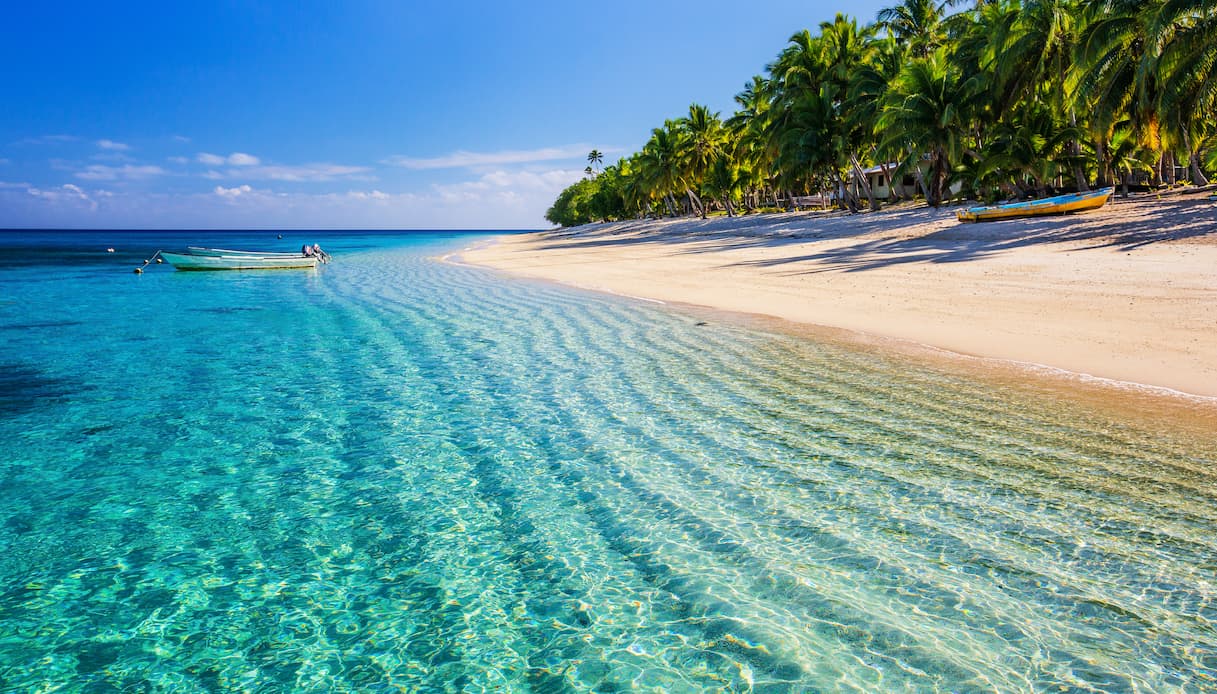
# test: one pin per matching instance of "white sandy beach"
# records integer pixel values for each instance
(1127, 293)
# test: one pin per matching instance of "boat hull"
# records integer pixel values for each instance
(1061, 204)
(187, 261)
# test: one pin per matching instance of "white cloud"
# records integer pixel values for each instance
(101, 172)
(369, 195)
(110, 155)
(497, 182)
(232, 192)
(112, 145)
(304, 172)
(47, 140)
(499, 199)
(234, 159)
(64, 193)
(249, 167)
(243, 159)
(180, 138)
(294, 174)
(463, 159)
(210, 159)
(179, 160)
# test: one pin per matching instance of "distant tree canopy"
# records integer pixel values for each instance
(1004, 98)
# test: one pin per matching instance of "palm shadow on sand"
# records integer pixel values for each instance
(1124, 225)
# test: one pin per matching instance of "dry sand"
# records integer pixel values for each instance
(1127, 293)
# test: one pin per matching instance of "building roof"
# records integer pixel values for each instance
(878, 169)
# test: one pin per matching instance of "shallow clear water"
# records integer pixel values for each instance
(401, 473)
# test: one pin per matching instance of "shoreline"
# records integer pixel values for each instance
(1121, 298)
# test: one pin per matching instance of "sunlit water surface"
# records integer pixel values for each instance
(396, 472)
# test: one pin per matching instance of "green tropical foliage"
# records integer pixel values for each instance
(995, 99)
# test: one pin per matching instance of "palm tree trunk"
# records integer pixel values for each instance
(1100, 148)
(892, 195)
(1079, 174)
(1198, 177)
(695, 203)
(842, 191)
(1075, 148)
(934, 194)
(1193, 161)
(919, 182)
(861, 177)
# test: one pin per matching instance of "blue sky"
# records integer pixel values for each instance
(353, 114)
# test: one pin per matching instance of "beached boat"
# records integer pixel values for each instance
(1060, 204)
(193, 261)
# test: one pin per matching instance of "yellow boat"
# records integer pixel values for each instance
(1061, 204)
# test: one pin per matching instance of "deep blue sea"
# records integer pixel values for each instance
(396, 473)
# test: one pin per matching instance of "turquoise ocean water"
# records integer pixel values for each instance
(398, 473)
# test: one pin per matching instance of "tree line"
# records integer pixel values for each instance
(1006, 98)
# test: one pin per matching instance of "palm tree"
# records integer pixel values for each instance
(1033, 61)
(916, 25)
(1007, 96)
(921, 114)
(659, 165)
(800, 115)
(722, 181)
(747, 131)
(846, 48)
(1187, 73)
(1116, 66)
(868, 85)
(702, 139)
(1026, 147)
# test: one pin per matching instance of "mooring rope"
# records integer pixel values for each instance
(155, 256)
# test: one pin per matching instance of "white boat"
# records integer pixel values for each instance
(193, 261)
(199, 250)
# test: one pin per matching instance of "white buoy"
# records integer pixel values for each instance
(109, 250)
(139, 271)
